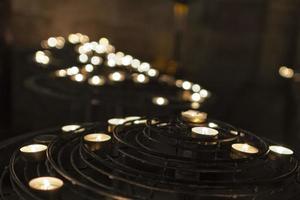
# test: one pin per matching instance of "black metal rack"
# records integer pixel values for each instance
(157, 159)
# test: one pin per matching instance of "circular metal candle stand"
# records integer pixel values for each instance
(153, 159)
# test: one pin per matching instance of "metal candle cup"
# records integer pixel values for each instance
(279, 152)
(97, 141)
(243, 150)
(112, 123)
(68, 130)
(204, 132)
(34, 152)
(46, 186)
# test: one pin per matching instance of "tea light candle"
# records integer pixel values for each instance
(281, 150)
(212, 125)
(140, 78)
(112, 123)
(132, 118)
(194, 116)
(61, 73)
(244, 148)
(160, 101)
(205, 131)
(97, 80)
(117, 76)
(34, 152)
(70, 128)
(97, 141)
(78, 78)
(46, 184)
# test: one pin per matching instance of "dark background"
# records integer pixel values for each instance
(232, 47)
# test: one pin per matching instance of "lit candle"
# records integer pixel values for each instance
(132, 118)
(242, 150)
(205, 131)
(194, 116)
(70, 128)
(61, 73)
(78, 77)
(195, 105)
(97, 141)
(96, 60)
(42, 58)
(112, 123)
(280, 150)
(46, 184)
(160, 101)
(212, 125)
(286, 72)
(97, 80)
(140, 78)
(34, 152)
(117, 76)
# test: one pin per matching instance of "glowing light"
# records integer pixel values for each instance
(152, 72)
(72, 71)
(195, 105)
(132, 118)
(196, 97)
(205, 131)
(194, 116)
(97, 80)
(244, 148)
(79, 78)
(179, 83)
(161, 101)
(45, 183)
(60, 42)
(196, 88)
(61, 73)
(33, 148)
(135, 63)
(41, 57)
(100, 49)
(97, 137)
(85, 48)
(144, 67)
(119, 57)
(233, 132)
(73, 38)
(111, 63)
(69, 128)
(126, 60)
(186, 85)
(140, 78)
(212, 125)
(116, 121)
(281, 150)
(104, 41)
(96, 60)
(286, 72)
(110, 49)
(117, 76)
(94, 45)
(83, 58)
(89, 68)
(52, 42)
(84, 39)
(204, 93)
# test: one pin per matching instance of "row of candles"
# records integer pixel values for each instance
(98, 141)
(92, 54)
